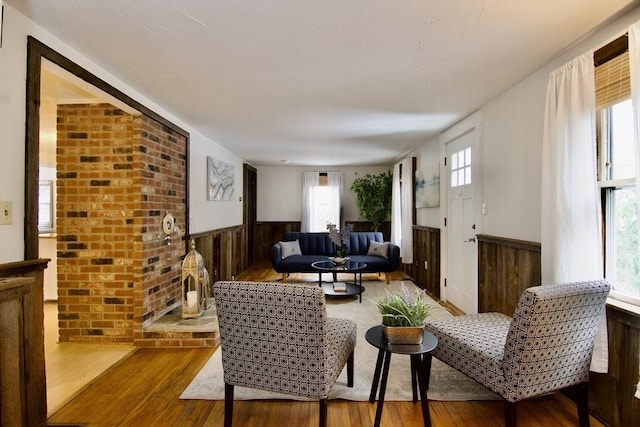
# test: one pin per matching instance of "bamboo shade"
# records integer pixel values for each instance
(613, 83)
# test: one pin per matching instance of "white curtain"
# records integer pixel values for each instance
(334, 181)
(634, 69)
(320, 204)
(407, 210)
(396, 208)
(571, 226)
(401, 209)
(310, 180)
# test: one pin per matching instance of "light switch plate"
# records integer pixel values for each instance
(6, 212)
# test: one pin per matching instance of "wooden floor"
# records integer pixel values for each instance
(143, 390)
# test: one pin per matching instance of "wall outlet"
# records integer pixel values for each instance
(6, 212)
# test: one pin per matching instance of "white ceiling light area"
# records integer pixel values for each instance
(349, 82)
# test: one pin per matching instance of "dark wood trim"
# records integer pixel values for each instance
(217, 230)
(512, 243)
(426, 228)
(414, 168)
(611, 50)
(32, 150)
(45, 51)
(37, 50)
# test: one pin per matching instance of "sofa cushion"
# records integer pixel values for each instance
(359, 241)
(378, 249)
(290, 248)
(312, 243)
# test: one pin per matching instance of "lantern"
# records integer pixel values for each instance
(195, 284)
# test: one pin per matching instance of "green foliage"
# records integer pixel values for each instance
(373, 197)
(404, 308)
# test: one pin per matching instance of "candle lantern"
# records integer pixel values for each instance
(195, 284)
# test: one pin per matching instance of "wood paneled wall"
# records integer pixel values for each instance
(426, 249)
(34, 399)
(611, 395)
(506, 267)
(223, 251)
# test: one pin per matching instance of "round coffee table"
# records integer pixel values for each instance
(354, 267)
(420, 365)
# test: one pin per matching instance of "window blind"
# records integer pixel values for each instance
(613, 83)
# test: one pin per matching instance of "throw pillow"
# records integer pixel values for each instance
(378, 249)
(290, 248)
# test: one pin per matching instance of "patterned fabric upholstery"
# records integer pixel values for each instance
(277, 337)
(547, 345)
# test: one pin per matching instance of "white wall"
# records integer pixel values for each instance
(280, 190)
(511, 147)
(16, 27)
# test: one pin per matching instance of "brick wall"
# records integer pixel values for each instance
(117, 175)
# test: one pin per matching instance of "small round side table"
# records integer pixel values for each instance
(420, 365)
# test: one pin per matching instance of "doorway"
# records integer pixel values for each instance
(462, 224)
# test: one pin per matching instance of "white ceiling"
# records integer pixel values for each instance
(311, 82)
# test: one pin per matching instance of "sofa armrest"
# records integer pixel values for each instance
(276, 256)
(394, 255)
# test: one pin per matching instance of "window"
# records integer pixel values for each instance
(617, 178)
(321, 199)
(45, 206)
(461, 168)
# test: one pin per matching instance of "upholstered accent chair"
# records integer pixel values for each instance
(278, 337)
(546, 346)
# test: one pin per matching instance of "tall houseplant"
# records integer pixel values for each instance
(373, 197)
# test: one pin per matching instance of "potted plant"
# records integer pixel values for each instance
(403, 315)
(373, 197)
(340, 242)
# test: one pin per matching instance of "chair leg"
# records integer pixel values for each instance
(228, 404)
(350, 366)
(284, 277)
(582, 401)
(323, 413)
(387, 277)
(510, 414)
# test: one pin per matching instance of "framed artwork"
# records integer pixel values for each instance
(428, 186)
(220, 179)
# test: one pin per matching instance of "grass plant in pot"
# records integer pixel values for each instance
(403, 315)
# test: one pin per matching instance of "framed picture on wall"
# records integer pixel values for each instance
(428, 186)
(220, 179)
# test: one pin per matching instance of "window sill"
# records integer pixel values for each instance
(624, 306)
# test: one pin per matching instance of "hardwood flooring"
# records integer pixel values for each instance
(143, 390)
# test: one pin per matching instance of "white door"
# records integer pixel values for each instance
(462, 274)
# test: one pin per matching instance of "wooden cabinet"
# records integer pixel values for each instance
(23, 394)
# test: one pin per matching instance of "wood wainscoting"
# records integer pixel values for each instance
(26, 326)
(223, 251)
(506, 267)
(425, 269)
(611, 395)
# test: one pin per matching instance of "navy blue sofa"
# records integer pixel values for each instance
(318, 247)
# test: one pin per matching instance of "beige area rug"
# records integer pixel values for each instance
(446, 383)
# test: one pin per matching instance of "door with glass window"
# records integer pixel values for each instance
(461, 275)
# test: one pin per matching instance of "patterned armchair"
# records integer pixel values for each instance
(278, 337)
(546, 346)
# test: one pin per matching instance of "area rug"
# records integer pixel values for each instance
(445, 384)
